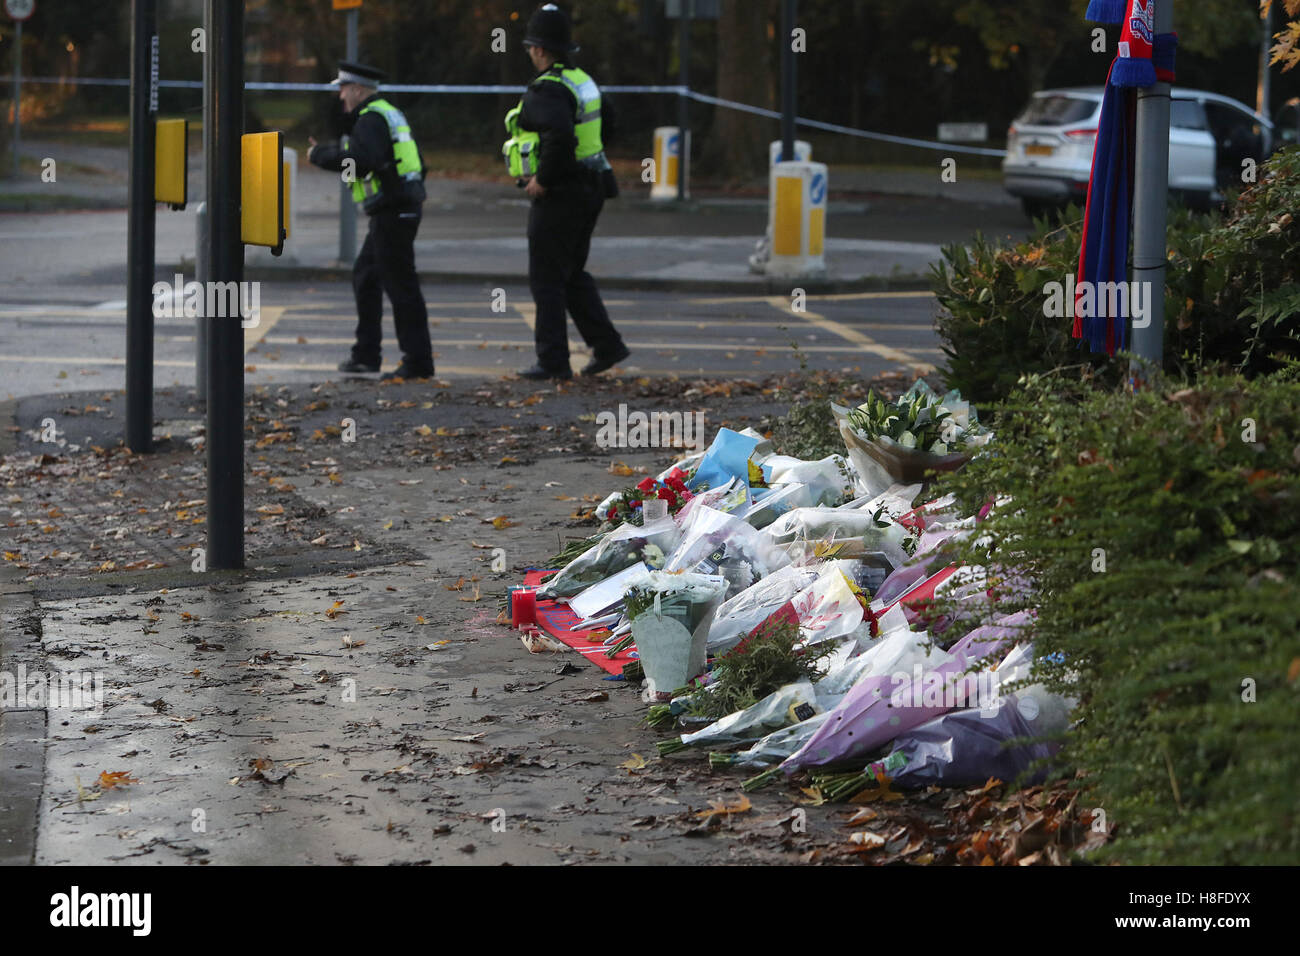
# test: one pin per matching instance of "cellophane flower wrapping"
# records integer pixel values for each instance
(770, 713)
(739, 615)
(879, 708)
(619, 549)
(668, 637)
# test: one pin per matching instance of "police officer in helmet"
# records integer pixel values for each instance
(568, 179)
(388, 180)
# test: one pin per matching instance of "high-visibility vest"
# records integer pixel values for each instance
(520, 150)
(405, 154)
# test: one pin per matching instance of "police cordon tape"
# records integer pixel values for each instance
(514, 90)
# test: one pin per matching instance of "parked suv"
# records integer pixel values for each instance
(1049, 146)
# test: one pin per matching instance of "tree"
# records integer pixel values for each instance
(737, 145)
(1287, 50)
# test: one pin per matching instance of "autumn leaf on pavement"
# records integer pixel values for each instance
(117, 778)
(333, 611)
(722, 808)
(501, 521)
(866, 838)
(814, 795)
(635, 762)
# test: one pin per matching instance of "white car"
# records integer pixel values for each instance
(1049, 146)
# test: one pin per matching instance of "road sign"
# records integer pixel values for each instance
(347, 4)
(817, 191)
(20, 9)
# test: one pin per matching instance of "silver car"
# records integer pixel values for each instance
(1049, 146)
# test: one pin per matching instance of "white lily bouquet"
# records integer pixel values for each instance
(903, 440)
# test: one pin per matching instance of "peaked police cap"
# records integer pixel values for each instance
(550, 28)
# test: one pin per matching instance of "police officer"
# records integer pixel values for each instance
(560, 113)
(388, 180)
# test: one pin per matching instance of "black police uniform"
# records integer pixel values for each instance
(560, 224)
(386, 263)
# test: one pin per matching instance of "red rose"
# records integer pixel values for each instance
(668, 495)
(646, 484)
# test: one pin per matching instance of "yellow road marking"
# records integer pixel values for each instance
(528, 312)
(279, 340)
(864, 342)
(485, 304)
(830, 297)
(266, 321)
(738, 324)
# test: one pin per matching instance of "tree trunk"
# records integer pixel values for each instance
(736, 148)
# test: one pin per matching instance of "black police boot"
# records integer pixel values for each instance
(352, 365)
(536, 372)
(599, 364)
(407, 372)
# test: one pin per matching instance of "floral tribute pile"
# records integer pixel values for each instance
(807, 617)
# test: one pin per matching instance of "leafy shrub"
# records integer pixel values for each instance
(1234, 290)
(1232, 295)
(1163, 547)
(991, 318)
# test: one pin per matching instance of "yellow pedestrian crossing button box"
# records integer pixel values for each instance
(262, 190)
(171, 179)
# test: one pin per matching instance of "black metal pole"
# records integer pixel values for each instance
(683, 101)
(789, 78)
(225, 440)
(140, 227)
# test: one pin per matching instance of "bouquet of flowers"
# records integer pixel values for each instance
(739, 615)
(905, 439)
(618, 550)
(966, 747)
(666, 612)
(841, 532)
(878, 709)
(626, 506)
(714, 542)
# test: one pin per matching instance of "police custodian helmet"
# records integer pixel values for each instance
(549, 28)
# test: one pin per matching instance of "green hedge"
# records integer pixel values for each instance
(1198, 598)
(1232, 298)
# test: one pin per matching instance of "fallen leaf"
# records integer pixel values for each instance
(334, 611)
(815, 798)
(867, 839)
(722, 808)
(635, 762)
(118, 778)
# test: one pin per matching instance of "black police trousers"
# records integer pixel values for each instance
(560, 224)
(386, 264)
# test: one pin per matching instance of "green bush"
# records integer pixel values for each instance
(1162, 539)
(991, 318)
(1232, 297)
(1234, 290)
